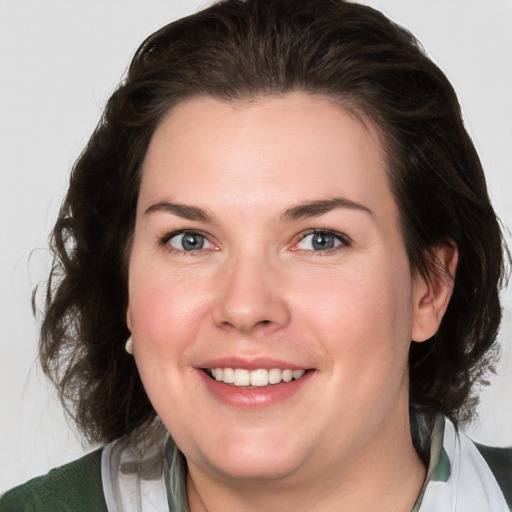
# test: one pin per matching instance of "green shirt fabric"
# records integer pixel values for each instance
(75, 487)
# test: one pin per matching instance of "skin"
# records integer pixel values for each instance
(259, 288)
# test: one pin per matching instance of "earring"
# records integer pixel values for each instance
(129, 346)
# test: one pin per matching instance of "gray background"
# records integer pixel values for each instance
(59, 62)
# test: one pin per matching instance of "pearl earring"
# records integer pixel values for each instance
(129, 346)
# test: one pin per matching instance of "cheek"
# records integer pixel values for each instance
(356, 302)
(165, 313)
(362, 316)
(164, 310)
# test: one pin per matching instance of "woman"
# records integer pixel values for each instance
(282, 213)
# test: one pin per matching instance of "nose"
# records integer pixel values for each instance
(250, 298)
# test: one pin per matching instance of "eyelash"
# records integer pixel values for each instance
(344, 240)
(164, 241)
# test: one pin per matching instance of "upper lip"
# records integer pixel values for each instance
(251, 363)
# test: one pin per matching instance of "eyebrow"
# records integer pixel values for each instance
(181, 210)
(302, 210)
(317, 208)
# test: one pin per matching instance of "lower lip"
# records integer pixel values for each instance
(253, 397)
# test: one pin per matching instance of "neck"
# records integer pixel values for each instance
(387, 475)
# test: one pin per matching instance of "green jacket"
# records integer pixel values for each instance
(75, 487)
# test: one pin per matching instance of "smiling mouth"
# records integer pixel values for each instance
(241, 377)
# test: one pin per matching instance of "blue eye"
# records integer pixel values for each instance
(320, 241)
(189, 241)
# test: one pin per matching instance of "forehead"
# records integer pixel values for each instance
(290, 148)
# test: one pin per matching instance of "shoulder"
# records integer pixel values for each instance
(499, 461)
(76, 487)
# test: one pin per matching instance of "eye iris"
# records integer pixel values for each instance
(192, 241)
(322, 241)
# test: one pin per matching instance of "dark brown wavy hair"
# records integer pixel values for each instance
(238, 50)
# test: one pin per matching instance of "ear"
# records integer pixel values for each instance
(129, 318)
(432, 293)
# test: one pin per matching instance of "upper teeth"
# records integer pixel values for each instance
(260, 377)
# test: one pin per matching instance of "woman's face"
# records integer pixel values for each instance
(267, 240)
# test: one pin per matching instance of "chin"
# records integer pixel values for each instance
(256, 468)
(252, 457)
